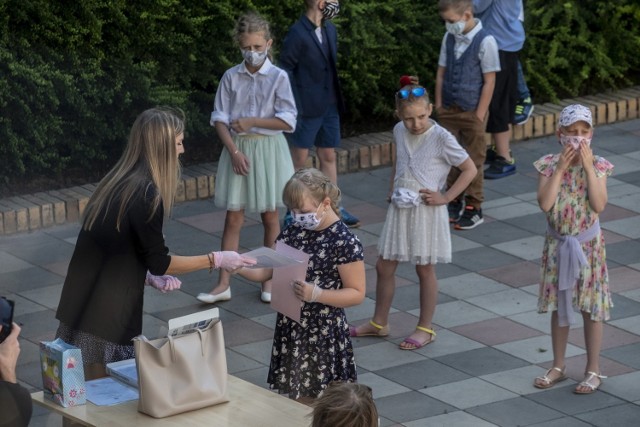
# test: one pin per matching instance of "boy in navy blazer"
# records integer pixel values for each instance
(309, 55)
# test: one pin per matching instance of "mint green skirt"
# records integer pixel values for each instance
(270, 169)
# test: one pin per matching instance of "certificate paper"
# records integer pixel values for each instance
(107, 391)
(268, 258)
(283, 298)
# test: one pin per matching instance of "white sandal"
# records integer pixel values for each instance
(548, 382)
(587, 383)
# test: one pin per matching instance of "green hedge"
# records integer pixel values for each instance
(73, 75)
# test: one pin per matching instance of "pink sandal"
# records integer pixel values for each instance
(417, 344)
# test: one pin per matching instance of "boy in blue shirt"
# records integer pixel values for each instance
(464, 87)
(502, 19)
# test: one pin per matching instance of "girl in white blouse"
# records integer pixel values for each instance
(253, 106)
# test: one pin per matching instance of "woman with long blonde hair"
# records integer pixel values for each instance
(121, 247)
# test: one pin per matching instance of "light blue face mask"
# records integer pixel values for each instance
(456, 28)
(254, 58)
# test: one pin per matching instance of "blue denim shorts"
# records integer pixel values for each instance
(322, 131)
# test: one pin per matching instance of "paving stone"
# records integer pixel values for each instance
(481, 361)
(468, 393)
(622, 415)
(515, 412)
(410, 406)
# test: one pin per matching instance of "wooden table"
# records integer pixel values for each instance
(249, 405)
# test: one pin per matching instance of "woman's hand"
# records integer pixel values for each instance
(164, 283)
(9, 352)
(231, 261)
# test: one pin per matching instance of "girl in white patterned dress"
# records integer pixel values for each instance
(417, 225)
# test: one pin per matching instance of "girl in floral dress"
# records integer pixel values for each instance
(309, 355)
(572, 191)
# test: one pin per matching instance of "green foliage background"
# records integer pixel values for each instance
(74, 75)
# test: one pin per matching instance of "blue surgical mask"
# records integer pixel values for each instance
(308, 221)
(254, 58)
(456, 28)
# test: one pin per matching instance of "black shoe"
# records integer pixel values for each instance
(471, 218)
(455, 208)
(500, 168)
(491, 156)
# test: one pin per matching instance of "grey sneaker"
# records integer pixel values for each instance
(471, 218)
(455, 208)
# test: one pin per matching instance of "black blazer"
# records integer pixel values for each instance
(104, 289)
(309, 67)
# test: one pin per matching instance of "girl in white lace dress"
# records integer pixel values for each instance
(417, 225)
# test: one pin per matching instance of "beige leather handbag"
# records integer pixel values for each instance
(182, 373)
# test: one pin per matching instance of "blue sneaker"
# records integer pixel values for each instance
(348, 219)
(288, 220)
(500, 168)
(523, 111)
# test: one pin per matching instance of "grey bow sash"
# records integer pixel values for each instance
(571, 259)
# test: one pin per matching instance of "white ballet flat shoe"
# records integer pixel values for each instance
(265, 296)
(210, 299)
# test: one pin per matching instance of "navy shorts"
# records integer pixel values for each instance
(322, 131)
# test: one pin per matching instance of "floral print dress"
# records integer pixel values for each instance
(306, 357)
(570, 215)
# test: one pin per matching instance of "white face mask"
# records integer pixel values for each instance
(308, 221)
(456, 28)
(254, 58)
(573, 140)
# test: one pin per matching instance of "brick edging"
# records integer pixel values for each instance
(45, 209)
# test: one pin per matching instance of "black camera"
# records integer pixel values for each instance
(6, 317)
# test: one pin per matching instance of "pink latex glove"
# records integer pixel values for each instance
(231, 261)
(164, 283)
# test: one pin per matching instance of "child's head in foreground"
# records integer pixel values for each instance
(309, 186)
(575, 125)
(345, 405)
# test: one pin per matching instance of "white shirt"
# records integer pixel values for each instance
(487, 54)
(265, 94)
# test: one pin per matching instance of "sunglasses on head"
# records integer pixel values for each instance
(416, 91)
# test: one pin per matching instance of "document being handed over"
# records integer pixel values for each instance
(284, 300)
(269, 258)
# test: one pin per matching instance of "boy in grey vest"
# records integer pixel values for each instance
(464, 86)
